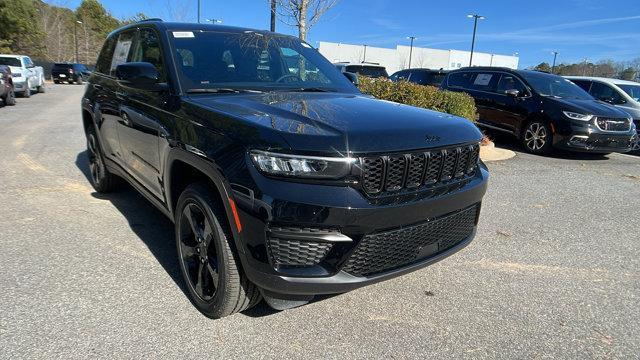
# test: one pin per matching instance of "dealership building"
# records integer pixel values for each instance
(398, 58)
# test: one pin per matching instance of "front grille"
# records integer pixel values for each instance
(396, 248)
(608, 124)
(392, 173)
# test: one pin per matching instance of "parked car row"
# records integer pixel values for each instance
(70, 73)
(26, 76)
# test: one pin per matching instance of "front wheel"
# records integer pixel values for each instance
(27, 92)
(10, 98)
(211, 269)
(537, 137)
(101, 179)
(41, 88)
(80, 80)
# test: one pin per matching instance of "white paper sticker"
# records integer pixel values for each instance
(482, 79)
(183, 34)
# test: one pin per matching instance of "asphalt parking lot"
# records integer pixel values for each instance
(553, 273)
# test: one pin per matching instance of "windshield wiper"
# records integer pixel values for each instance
(221, 91)
(309, 89)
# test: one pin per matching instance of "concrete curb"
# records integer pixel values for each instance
(490, 152)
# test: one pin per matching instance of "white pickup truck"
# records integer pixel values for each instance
(27, 77)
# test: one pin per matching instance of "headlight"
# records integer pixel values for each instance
(577, 116)
(16, 75)
(312, 167)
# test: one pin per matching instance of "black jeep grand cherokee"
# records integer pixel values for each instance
(282, 179)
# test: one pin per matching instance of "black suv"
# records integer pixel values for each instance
(420, 76)
(543, 110)
(70, 73)
(281, 178)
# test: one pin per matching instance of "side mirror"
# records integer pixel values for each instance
(353, 77)
(139, 75)
(512, 92)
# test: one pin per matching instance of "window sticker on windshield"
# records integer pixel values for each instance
(482, 79)
(183, 34)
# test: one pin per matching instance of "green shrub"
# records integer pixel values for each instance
(428, 97)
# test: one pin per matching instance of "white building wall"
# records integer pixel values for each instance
(398, 58)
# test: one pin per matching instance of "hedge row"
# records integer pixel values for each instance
(428, 97)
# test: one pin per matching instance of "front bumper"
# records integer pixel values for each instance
(349, 217)
(19, 85)
(589, 138)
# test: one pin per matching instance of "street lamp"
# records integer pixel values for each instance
(475, 17)
(75, 37)
(553, 67)
(214, 21)
(411, 48)
(198, 11)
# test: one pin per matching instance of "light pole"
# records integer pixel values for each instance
(75, 37)
(214, 21)
(273, 15)
(553, 67)
(411, 48)
(584, 68)
(475, 17)
(198, 11)
(364, 57)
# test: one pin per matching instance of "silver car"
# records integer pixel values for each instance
(621, 93)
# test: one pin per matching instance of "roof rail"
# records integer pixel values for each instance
(150, 19)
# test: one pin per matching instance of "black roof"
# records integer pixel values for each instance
(426, 69)
(182, 26)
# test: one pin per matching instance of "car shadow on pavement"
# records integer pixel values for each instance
(154, 229)
(506, 141)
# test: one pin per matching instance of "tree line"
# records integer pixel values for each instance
(50, 33)
(626, 70)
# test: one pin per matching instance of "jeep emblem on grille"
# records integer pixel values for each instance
(431, 138)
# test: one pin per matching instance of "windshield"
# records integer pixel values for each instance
(63, 66)
(556, 86)
(10, 61)
(252, 61)
(632, 90)
(370, 71)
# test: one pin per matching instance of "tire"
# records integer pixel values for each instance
(27, 92)
(10, 98)
(101, 179)
(56, 81)
(537, 137)
(210, 267)
(80, 80)
(41, 88)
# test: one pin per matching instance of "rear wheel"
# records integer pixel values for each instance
(101, 179)
(10, 98)
(56, 81)
(80, 80)
(27, 92)
(210, 267)
(537, 137)
(41, 88)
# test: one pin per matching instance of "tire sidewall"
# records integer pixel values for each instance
(546, 149)
(10, 99)
(200, 196)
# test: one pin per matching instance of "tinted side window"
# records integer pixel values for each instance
(510, 82)
(606, 93)
(103, 64)
(122, 52)
(485, 81)
(460, 79)
(147, 49)
(584, 84)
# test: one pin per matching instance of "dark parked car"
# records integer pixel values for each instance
(70, 73)
(281, 178)
(420, 76)
(543, 110)
(365, 69)
(7, 94)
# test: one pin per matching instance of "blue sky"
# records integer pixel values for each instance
(578, 29)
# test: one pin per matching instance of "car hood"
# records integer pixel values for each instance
(344, 122)
(592, 107)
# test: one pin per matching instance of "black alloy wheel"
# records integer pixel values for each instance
(101, 179)
(209, 265)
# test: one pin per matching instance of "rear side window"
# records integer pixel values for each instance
(103, 64)
(606, 93)
(584, 84)
(484, 81)
(122, 52)
(460, 80)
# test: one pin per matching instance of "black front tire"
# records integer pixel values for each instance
(537, 138)
(209, 264)
(9, 99)
(27, 92)
(101, 179)
(56, 81)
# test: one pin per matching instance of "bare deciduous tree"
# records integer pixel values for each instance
(303, 14)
